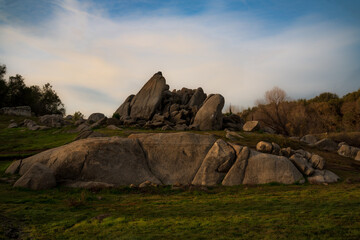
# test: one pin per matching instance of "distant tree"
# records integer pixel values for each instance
(14, 92)
(324, 97)
(78, 115)
(50, 101)
(3, 86)
(274, 110)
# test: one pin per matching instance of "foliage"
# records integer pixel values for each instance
(77, 116)
(323, 113)
(116, 115)
(14, 92)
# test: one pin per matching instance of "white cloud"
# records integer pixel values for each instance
(228, 54)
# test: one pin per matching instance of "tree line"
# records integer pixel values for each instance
(326, 112)
(14, 92)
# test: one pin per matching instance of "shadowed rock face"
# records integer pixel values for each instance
(112, 160)
(124, 109)
(175, 157)
(38, 177)
(145, 102)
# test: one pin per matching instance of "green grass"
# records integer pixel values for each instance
(22, 142)
(271, 211)
(242, 212)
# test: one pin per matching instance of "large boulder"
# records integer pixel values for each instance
(209, 116)
(124, 109)
(216, 164)
(323, 176)
(54, 120)
(327, 144)
(236, 174)
(251, 126)
(94, 117)
(308, 139)
(266, 168)
(37, 177)
(147, 100)
(175, 157)
(112, 160)
(348, 151)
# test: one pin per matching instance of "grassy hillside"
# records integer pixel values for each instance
(270, 211)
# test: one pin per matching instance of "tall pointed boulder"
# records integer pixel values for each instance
(146, 101)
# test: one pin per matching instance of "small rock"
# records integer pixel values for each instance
(113, 127)
(323, 176)
(327, 144)
(13, 125)
(94, 117)
(251, 126)
(308, 139)
(275, 148)
(317, 161)
(264, 147)
(145, 184)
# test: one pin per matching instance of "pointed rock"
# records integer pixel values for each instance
(209, 116)
(146, 101)
(236, 173)
(219, 155)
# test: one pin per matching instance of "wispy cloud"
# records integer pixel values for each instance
(235, 54)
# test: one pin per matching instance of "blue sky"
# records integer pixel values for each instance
(96, 53)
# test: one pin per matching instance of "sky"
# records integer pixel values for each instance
(96, 53)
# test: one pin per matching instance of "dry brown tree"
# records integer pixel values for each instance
(273, 110)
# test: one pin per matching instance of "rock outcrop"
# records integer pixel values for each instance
(154, 106)
(164, 158)
(17, 111)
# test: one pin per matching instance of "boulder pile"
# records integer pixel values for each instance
(155, 106)
(165, 158)
(309, 164)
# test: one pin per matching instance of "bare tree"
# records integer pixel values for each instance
(273, 109)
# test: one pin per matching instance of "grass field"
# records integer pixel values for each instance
(269, 211)
(243, 212)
